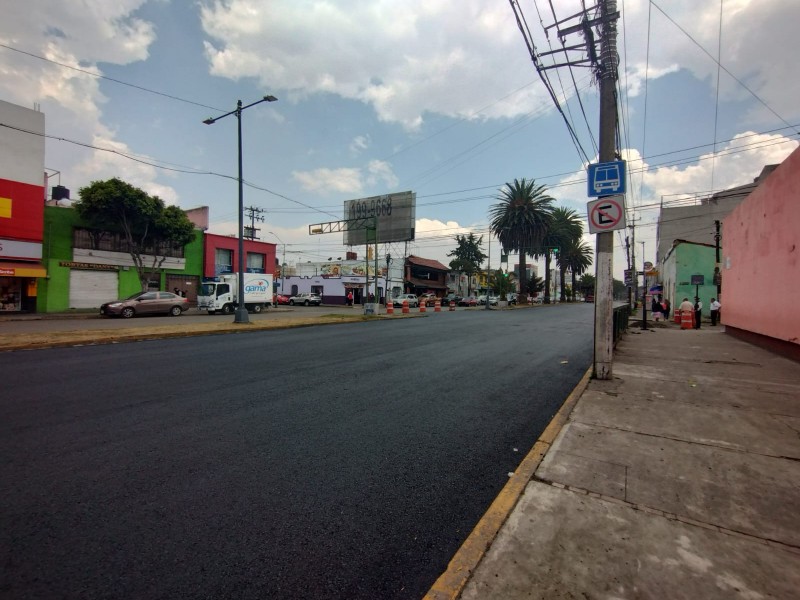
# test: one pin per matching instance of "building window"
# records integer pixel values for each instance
(223, 261)
(317, 289)
(93, 239)
(255, 262)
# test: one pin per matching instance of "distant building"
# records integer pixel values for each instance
(696, 223)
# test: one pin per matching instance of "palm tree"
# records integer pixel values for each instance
(565, 228)
(578, 259)
(520, 220)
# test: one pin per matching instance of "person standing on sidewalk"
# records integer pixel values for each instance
(714, 307)
(685, 307)
(698, 312)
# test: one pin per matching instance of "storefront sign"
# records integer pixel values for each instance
(87, 266)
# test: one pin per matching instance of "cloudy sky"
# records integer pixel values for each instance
(374, 97)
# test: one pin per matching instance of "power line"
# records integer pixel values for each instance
(99, 76)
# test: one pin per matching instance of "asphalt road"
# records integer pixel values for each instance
(346, 461)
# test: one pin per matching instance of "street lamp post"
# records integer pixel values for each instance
(283, 263)
(241, 309)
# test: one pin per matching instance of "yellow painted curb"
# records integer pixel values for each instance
(451, 583)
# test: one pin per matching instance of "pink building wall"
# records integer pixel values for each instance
(761, 258)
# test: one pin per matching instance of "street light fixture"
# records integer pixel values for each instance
(241, 310)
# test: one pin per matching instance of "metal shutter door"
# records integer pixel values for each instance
(89, 289)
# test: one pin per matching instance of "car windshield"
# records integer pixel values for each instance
(134, 296)
(207, 289)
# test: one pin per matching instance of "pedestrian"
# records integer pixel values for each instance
(655, 308)
(177, 292)
(714, 307)
(698, 312)
(666, 306)
(350, 298)
(685, 308)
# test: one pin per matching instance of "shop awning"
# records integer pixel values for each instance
(22, 269)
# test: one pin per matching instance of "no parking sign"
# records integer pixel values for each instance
(606, 214)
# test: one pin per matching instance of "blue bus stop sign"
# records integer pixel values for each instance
(606, 179)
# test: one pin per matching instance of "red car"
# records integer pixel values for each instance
(279, 299)
(468, 301)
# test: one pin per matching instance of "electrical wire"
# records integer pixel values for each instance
(99, 76)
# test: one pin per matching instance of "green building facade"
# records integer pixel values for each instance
(83, 278)
(684, 261)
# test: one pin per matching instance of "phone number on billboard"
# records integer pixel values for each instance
(375, 207)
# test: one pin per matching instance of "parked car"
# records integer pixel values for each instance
(146, 303)
(305, 299)
(492, 300)
(589, 298)
(280, 299)
(451, 298)
(429, 299)
(468, 301)
(413, 301)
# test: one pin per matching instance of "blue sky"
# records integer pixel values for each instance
(374, 97)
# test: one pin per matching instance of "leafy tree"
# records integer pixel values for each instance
(147, 225)
(534, 285)
(578, 258)
(564, 230)
(468, 256)
(620, 290)
(520, 221)
(502, 283)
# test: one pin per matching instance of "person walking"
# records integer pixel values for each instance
(666, 306)
(655, 308)
(698, 312)
(350, 298)
(714, 307)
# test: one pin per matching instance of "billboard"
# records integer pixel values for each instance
(394, 214)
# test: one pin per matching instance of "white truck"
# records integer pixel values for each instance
(223, 295)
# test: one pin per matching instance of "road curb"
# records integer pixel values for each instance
(451, 583)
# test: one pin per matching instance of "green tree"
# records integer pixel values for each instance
(502, 283)
(565, 229)
(148, 226)
(468, 256)
(520, 221)
(578, 258)
(534, 285)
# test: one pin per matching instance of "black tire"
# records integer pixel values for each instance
(127, 312)
(257, 308)
(176, 311)
(227, 309)
(291, 302)
(306, 302)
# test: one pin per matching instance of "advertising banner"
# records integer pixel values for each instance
(21, 211)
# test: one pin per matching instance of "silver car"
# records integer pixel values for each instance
(305, 299)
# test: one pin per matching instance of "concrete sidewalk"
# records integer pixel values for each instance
(680, 478)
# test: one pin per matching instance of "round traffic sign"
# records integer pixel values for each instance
(606, 214)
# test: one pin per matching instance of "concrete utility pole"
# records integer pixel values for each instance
(604, 255)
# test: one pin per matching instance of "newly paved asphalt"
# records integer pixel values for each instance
(345, 461)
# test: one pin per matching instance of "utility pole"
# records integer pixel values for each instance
(604, 255)
(644, 291)
(717, 273)
(255, 215)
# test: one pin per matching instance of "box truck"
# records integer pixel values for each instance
(223, 295)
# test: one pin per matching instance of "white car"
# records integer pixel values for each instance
(413, 301)
(305, 299)
(492, 300)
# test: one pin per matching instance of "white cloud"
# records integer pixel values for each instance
(350, 180)
(736, 163)
(359, 143)
(71, 100)
(410, 58)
